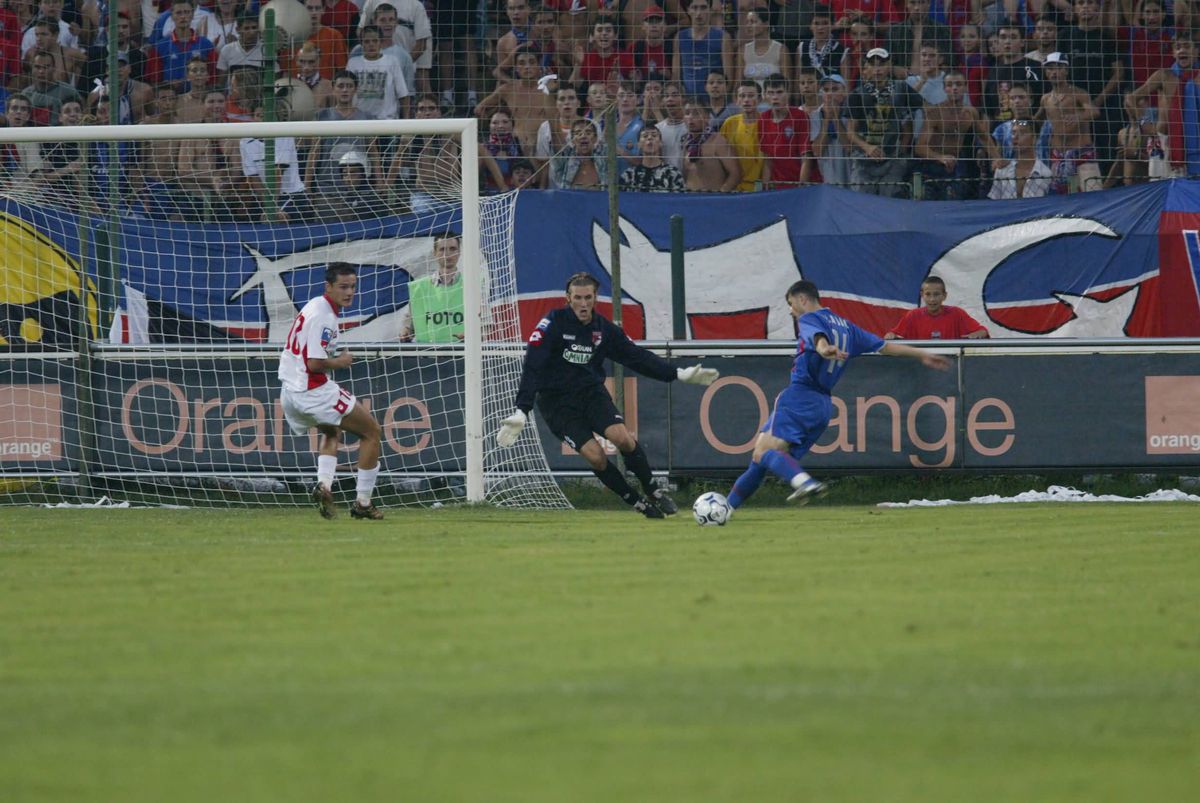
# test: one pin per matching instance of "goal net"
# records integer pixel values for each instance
(152, 274)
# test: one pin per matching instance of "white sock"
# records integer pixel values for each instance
(800, 479)
(366, 484)
(326, 469)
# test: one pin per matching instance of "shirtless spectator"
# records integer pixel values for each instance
(192, 103)
(321, 167)
(433, 159)
(566, 106)
(1070, 111)
(45, 94)
(136, 96)
(155, 169)
(710, 164)
(67, 61)
(523, 98)
(947, 143)
(583, 163)
(1163, 86)
(205, 167)
(517, 35)
(166, 106)
(51, 11)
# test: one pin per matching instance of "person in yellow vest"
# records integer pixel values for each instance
(435, 303)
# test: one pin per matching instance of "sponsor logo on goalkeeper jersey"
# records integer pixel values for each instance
(41, 291)
(580, 355)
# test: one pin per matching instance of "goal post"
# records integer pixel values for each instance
(203, 285)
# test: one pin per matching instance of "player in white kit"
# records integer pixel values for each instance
(311, 399)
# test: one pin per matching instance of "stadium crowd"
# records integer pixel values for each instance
(944, 99)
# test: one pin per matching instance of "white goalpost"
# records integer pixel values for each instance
(151, 273)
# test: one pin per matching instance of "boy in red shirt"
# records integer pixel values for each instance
(783, 138)
(936, 320)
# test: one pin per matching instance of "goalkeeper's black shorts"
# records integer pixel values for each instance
(574, 418)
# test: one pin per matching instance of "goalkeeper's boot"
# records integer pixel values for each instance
(647, 508)
(664, 503)
(368, 511)
(807, 491)
(324, 499)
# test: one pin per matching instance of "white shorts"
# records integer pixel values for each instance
(325, 405)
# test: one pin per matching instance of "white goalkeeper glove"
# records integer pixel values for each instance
(697, 375)
(510, 428)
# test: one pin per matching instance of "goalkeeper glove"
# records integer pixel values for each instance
(510, 428)
(697, 375)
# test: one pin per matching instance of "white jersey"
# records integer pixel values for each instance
(313, 335)
(381, 85)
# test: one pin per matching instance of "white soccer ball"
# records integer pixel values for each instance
(711, 510)
(291, 16)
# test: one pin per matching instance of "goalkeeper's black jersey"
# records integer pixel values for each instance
(565, 357)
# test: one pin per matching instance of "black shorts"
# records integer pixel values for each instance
(574, 419)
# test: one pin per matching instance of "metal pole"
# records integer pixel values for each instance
(270, 179)
(678, 282)
(109, 277)
(614, 244)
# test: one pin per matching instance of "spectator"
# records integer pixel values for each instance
(165, 24)
(329, 42)
(710, 163)
(673, 127)
(352, 197)
(247, 50)
(544, 38)
(905, 39)
(652, 111)
(321, 168)
(10, 45)
(601, 60)
(523, 174)
(435, 303)
(566, 105)
(651, 56)
(67, 61)
(46, 95)
(862, 42)
(523, 98)
(848, 13)
(155, 168)
(166, 106)
(205, 173)
(245, 93)
(412, 32)
(700, 50)
(21, 163)
(824, 52)
(308, 71)
(1168, 86)
(1097, 68)
(96, 61)
(879, 128)
(581, 165)
(1011, 67)
(629, 125)
(792, 20)
(65, 182)
(1001, 146)
(783, 137)
(1044, 39)
(829, 145)
(1070, 112)
(929, 78)
(652, 174)
(741, 131)
(935, 319)
(222, 26)
(454, 31)
(947, 143)
(438, 173)
(292, 202)
(51, 11)
(498, 151)
(193, 102)
(136, 97)
(387, 22)
(720, 106)
(598, 101)
(170, 55)
(1139, 146)
(1148, 44)
(517, 35)
(382, 91)
(761, 55)
(973, 64)
(342, 16)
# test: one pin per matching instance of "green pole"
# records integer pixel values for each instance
(678, 286)
(108, 270)
(270, 178)
(614, 250)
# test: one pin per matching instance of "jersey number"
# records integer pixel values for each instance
(841, 341)
(293, 338)
(343, 402)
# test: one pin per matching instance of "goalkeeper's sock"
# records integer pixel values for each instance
(782, 465)
(366, 484)
(612, 478)
(326, 469)
(640, 466)
(747, 484)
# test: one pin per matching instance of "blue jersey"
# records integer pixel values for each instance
(810, 369)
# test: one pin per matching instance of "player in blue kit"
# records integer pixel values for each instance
(802, 411)
(564, 373)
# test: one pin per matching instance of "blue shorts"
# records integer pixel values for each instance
(799, 417)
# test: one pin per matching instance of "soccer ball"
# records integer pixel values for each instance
(711, 510)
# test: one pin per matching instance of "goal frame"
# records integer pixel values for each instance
(465, 129)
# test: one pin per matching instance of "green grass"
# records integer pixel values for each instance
(1009, 653)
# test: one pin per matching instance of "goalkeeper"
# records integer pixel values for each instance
(564, 370)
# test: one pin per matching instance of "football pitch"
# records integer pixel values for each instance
(1007, 653)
